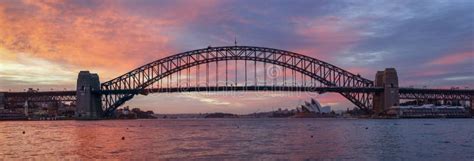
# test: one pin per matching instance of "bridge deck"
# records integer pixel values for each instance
(437, 91)
(242, 88)
(405, 93)
(40, 93)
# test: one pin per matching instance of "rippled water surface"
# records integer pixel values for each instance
(240, 139)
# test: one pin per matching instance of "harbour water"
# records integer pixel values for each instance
(240, 139)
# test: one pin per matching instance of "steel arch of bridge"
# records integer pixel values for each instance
(146, 75)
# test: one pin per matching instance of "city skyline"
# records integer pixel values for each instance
(46, 43)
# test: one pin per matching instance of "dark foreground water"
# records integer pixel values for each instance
(240, 139)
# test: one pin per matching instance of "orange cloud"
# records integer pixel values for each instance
(456, 58)
(103, 37)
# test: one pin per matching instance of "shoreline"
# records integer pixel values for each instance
(202, 118)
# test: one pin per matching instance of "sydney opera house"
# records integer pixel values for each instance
(312, 109)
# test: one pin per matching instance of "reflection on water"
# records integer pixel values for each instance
(217, 139)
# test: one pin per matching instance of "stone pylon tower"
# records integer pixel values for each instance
(88, 104)
(391, 89)
(378, 97)
(390, 97)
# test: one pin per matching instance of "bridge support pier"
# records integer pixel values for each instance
(88, 104)
(388, 79)
(378, 97)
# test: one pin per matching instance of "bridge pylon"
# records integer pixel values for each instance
(88, 104)
(388, 79)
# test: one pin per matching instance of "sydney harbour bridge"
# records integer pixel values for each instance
(236, 68)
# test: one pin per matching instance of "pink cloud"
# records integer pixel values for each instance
(455, 58)
(329, 35)
(363, 71)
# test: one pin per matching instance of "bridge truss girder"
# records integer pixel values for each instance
(14, 98)
(436, 96)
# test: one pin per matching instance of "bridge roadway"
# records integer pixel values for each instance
(49, 96)
(43, 96)
(243, 89)
(405, 93)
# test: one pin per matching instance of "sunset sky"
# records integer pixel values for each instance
(45, 43)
